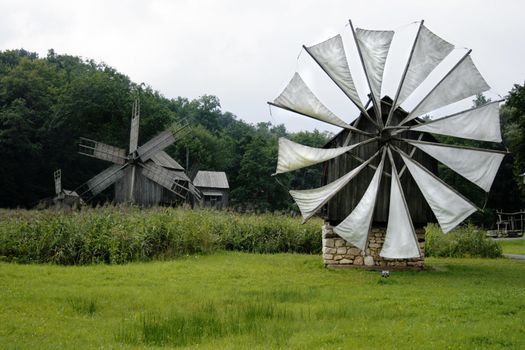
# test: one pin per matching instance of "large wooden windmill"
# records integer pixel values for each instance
(381, 168)
(144, 175)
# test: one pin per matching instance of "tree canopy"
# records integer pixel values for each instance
(47, 103)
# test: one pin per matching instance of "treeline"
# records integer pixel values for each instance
(47, 103)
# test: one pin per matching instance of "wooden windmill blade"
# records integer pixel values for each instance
(101, 181)
(155, 145)
(389, 130)
(102, 151)
(170, 180)
(57, 175)
(161, 142)
(134, 129)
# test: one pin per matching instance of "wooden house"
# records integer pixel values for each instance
(214, 188)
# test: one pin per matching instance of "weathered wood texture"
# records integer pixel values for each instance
(346, 200)
(215, 198)
(146, 192)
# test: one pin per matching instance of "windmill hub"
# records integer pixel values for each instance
(385, 136)
(133, 157)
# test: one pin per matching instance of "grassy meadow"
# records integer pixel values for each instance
(243, 300)
(515, 246)
(125, 278)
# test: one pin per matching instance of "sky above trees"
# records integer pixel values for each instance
(245, 52)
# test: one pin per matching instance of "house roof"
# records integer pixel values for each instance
(180, 174)
(213, 179)
(164, 160)
(70, 193)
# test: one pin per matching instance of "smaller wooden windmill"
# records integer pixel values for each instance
(65, 199)
(145, 175)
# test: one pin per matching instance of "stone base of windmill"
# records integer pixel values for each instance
(338, 253)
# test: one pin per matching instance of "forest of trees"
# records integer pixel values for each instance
(47, 103)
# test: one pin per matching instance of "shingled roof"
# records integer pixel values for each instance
(213, 179)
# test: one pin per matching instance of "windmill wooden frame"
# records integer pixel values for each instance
(144, 175)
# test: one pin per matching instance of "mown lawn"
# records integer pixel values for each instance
(240, 300)
(515, 246)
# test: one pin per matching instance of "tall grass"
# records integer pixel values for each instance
(118, 235)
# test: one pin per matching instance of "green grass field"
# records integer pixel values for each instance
(512, 246)
(241, 300)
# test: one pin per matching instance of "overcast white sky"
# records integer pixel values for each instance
(245, 52)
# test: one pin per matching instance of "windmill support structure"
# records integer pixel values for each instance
(338, 253)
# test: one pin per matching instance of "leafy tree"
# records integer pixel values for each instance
(513, 130)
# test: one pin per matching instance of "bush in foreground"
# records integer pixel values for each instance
(463, 242)
(122, 234)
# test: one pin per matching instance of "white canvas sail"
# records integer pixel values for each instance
(355, 227)
(374, 46)
(480, 123)
(293, 156)
(463, 81)
(400, 238)
(299, 98)
(477, 166)
(429, 51)
(310, 201)
(331, 56)
(449, 207)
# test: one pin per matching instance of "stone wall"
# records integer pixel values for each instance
(339, 253)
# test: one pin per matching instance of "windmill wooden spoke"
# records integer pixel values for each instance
(412, 151)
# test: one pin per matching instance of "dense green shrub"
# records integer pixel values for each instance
(118, 235)
(462, 242)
